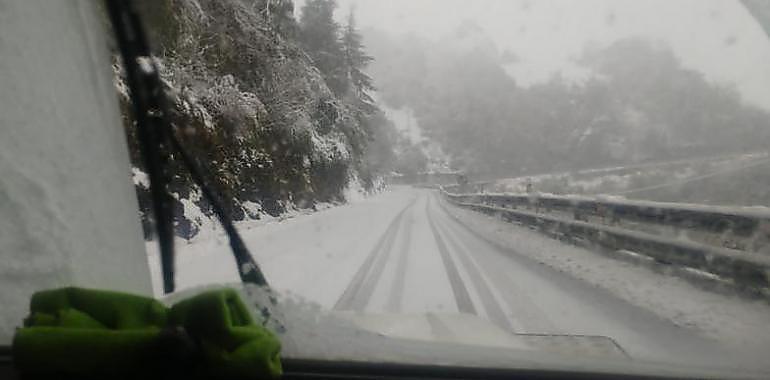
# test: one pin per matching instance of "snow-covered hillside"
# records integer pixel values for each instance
(253, 107)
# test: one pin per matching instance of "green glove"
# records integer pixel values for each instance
(73, 330)
(81, 331)
(232, 343)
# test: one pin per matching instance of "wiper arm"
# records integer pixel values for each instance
(247, 267)
(152, 128)
(157, 138)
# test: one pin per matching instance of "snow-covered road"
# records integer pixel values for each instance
(407, 252)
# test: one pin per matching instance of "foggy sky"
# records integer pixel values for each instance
(716, 37)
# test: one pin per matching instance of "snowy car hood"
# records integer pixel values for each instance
(307, 332)
(471, 330)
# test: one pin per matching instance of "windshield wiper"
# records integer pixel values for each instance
(157, 139)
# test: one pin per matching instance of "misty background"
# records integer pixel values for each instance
(719, 38)
(516, 87)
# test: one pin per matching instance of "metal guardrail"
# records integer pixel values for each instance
(741, 221)
(748, 272)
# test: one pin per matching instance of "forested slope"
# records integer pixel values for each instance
(253, 106)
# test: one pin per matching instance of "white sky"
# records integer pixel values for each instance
(717, 37)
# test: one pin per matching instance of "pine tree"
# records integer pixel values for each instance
(356, 60)
(319, 35)
(279, 15)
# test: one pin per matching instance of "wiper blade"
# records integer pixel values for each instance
(152, 128)
(157, 138)
(247, 267)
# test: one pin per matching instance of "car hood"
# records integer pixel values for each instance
(458, 340)
(472, 330)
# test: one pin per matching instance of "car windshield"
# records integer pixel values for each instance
(542, 180)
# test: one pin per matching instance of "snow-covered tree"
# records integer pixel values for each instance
(356, 61)
(319, 35)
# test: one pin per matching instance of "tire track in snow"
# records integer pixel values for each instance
(522, 308)
(397, 289)
(462, 297)
(358, 292)
(366, 289)
(493, 308)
